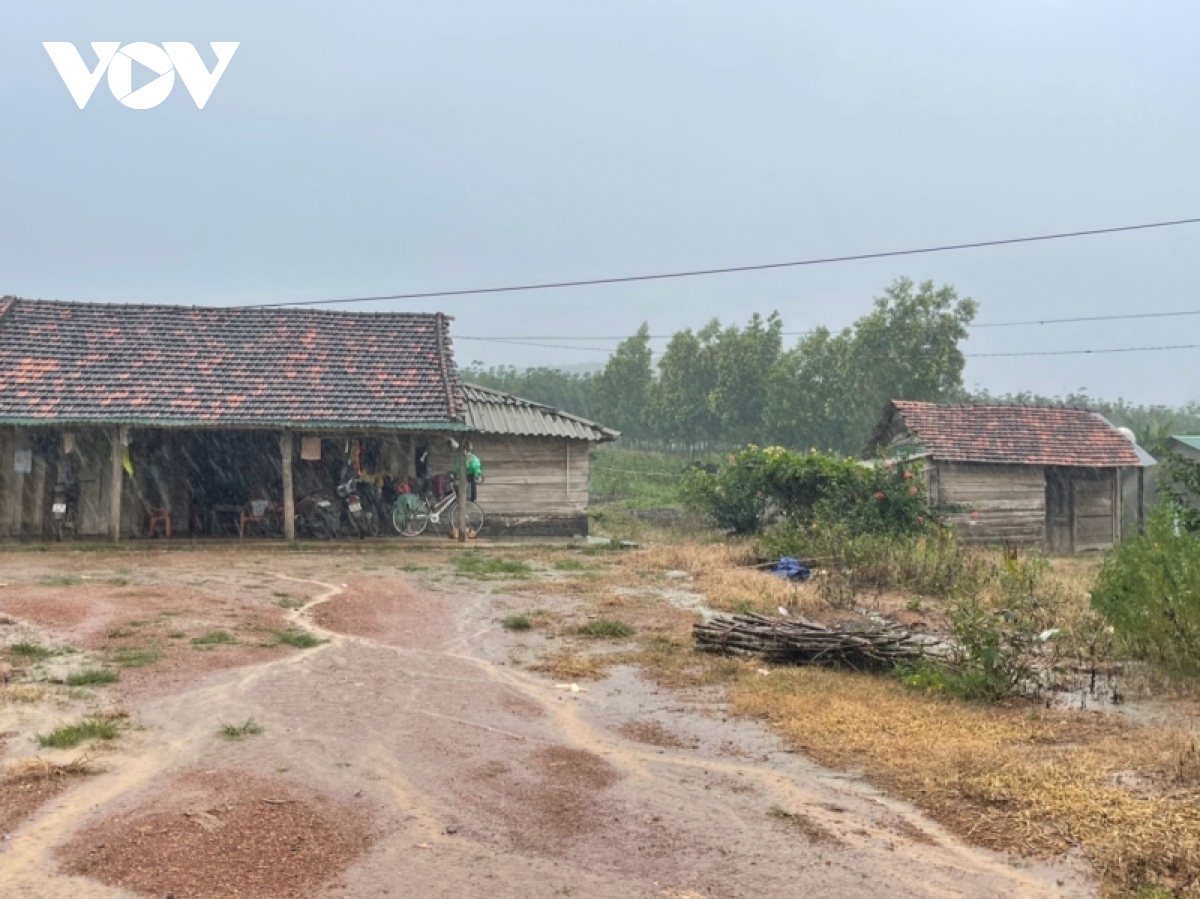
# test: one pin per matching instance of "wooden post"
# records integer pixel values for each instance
(289, 495)
(115, 488)
(460, 509)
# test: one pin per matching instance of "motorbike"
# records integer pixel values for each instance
(352, 505)
(317, 517)
(64, 510)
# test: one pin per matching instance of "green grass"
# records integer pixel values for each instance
(237, 731)
(92, 677)
(70, 735)
(33, 651)
(569, 565)
(298, 639)
(636, 479)
(289, 602)
(606, 629)
(474, 565)
(517, 623)
(214, 638)
(136, 656)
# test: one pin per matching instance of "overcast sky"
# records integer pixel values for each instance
(384, 147)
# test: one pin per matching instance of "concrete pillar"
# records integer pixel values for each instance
(289, 494)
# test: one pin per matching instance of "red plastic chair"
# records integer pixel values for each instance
(159, 516)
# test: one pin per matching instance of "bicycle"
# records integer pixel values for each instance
(411, 522)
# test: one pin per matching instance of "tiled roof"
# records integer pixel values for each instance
(204, 366)
(1023, 435)
(494, 412)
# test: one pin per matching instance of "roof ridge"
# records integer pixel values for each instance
(186, 307)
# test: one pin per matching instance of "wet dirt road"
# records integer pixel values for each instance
(486, 780)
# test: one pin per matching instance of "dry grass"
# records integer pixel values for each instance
(570, 665)
(21, 693)
(30, 770)
(1014, 779)
(726, 574)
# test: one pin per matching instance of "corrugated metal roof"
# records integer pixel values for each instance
(494, 412)
(1187, 440)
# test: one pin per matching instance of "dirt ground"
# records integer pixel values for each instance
(412, 753)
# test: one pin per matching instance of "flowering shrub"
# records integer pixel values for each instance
(759, 485)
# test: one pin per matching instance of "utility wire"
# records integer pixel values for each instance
(1123, 349)
(1101, 351)
(1011, 324)
(729, 270)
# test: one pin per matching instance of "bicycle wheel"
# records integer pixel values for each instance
(412, 521)
(473, 515)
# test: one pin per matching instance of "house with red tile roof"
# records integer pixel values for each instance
(194, 419)
(1061, 478)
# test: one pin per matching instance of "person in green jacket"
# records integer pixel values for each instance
(474, 475)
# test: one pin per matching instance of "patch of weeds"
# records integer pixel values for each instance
(214, 638)
(117, 582)
(298, 639)
(138, 623)
(136, 656)
(33, 651)
(21, 693)
(472, 564)
(290, 603)
(606, 629)
(59, 580)
(517, 623)
(568, 565)
(414, 568)
(119, 632)
(176, 635)
(5, 620)
(237, 731)
(90, 677)
(70, 735)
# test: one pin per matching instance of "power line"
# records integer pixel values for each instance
(1101, 351)
(1124, 349)
(1010, 324)
(729, 270)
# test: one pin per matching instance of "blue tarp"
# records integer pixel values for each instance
(792, 570)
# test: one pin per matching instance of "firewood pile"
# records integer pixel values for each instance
(873, 645)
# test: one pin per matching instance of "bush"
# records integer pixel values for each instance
(1149, 590)
(606, 629)
(759, 485)
(929, 564)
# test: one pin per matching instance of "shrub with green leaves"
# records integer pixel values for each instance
(757, 485)
(1149, 590)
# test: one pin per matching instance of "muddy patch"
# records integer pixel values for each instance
(388, 611)
(651, 733)
(222, 834)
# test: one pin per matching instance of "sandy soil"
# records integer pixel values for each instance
(413, 759)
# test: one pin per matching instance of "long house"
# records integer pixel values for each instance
(192, 413)
(1063, 479)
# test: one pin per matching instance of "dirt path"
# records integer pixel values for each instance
(484, 779)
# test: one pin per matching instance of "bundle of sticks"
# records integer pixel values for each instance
(798, 641)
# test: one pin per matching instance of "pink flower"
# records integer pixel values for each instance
(908, 475)
(912, 491)
(880, 496)
(974, 513)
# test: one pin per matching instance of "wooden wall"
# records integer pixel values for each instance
(1010, 501)
(532, 485)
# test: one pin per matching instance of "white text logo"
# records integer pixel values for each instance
(118, 61)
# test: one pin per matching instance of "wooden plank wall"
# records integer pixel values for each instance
(1010, 501)
(1095, 509)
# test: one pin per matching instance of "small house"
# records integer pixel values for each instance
(1063, 479)
(178, 420)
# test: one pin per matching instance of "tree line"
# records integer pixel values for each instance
(726, 386)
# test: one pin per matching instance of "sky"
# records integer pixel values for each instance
(366, 148)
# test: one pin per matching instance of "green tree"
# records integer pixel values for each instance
(745, 358)
(623, 388)
(680, 411)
